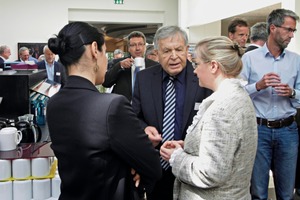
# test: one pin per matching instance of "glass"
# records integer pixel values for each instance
(290, 30)
(195, 65)
(137, 45)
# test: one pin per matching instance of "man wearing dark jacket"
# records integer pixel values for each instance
(55, 71)
(120, 75)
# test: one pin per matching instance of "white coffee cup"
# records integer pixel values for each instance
(55, 186)
(40, 167)
(22, 190)
(5, 169)
(21, 168)
(139, 62)
(6, 191)
(10, 137)
(41, 189)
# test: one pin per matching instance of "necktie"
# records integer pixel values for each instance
(169, 117)
(136, 70)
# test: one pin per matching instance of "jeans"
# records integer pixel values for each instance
(277, 150)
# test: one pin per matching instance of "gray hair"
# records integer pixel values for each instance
(278, 16)
(169, 31)
(149, 49)
(118, 51)
(3, 48)
(23, 49)
(259, 32)
(45, 47)
(224, 51)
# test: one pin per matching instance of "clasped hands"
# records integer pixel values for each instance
(168, 147)
(273, 80)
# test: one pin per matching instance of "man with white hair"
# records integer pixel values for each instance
(4, 55)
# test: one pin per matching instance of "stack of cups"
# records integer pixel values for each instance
(6, 191)
(55, 182)
(22, 186)
(41, 187)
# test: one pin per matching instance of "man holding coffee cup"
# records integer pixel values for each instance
(121, 75)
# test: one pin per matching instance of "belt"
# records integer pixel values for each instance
(276, 123)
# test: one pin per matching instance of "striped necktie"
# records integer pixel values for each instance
(169, 116)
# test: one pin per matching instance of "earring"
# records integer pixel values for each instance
(96, 68)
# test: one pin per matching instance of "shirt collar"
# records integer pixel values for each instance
(268, 53)
(179, 77)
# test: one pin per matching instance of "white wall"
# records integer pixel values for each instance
(37, 21)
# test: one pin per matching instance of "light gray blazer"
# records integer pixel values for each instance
(219, 148)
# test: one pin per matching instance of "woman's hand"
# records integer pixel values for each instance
(169, 147)
(136, 178)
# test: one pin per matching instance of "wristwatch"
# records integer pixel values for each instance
(293, 94)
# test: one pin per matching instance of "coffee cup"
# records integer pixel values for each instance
(139, 62)
(10, 137)
(41, 189)
(22, 190)
(6, 190)
(5, 169)
(21, 168)
(40, 167)
(55, 186)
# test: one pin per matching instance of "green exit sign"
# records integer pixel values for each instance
(119, 1)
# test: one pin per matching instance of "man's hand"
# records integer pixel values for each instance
(126, 63)
(271, 79)
(153, 135)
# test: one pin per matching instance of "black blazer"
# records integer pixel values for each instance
(121, 79)
(1, 63)
(97, 140)
(250, 48)
(147, 99)
(60, 75)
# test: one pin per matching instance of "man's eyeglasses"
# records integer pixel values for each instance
(137, 45)
(290, 30)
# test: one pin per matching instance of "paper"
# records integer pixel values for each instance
(47, 87)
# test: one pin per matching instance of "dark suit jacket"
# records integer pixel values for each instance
(1, 63)
(121, 79)
(147, 100)
(147, 103)
(97, 140)
(250, 48)
(60, 75)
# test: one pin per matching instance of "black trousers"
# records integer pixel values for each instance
(163, 189)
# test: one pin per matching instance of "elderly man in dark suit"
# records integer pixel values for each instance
(4, 55)
(149, 99)
(55, 70)
(120, 75)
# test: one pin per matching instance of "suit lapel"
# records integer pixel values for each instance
(156, 82)
(192, 86)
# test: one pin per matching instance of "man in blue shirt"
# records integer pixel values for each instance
(55, 70)
(273, 79)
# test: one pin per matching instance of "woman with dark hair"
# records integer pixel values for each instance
(102, 151)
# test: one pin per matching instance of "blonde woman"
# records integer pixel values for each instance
(215, 161)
